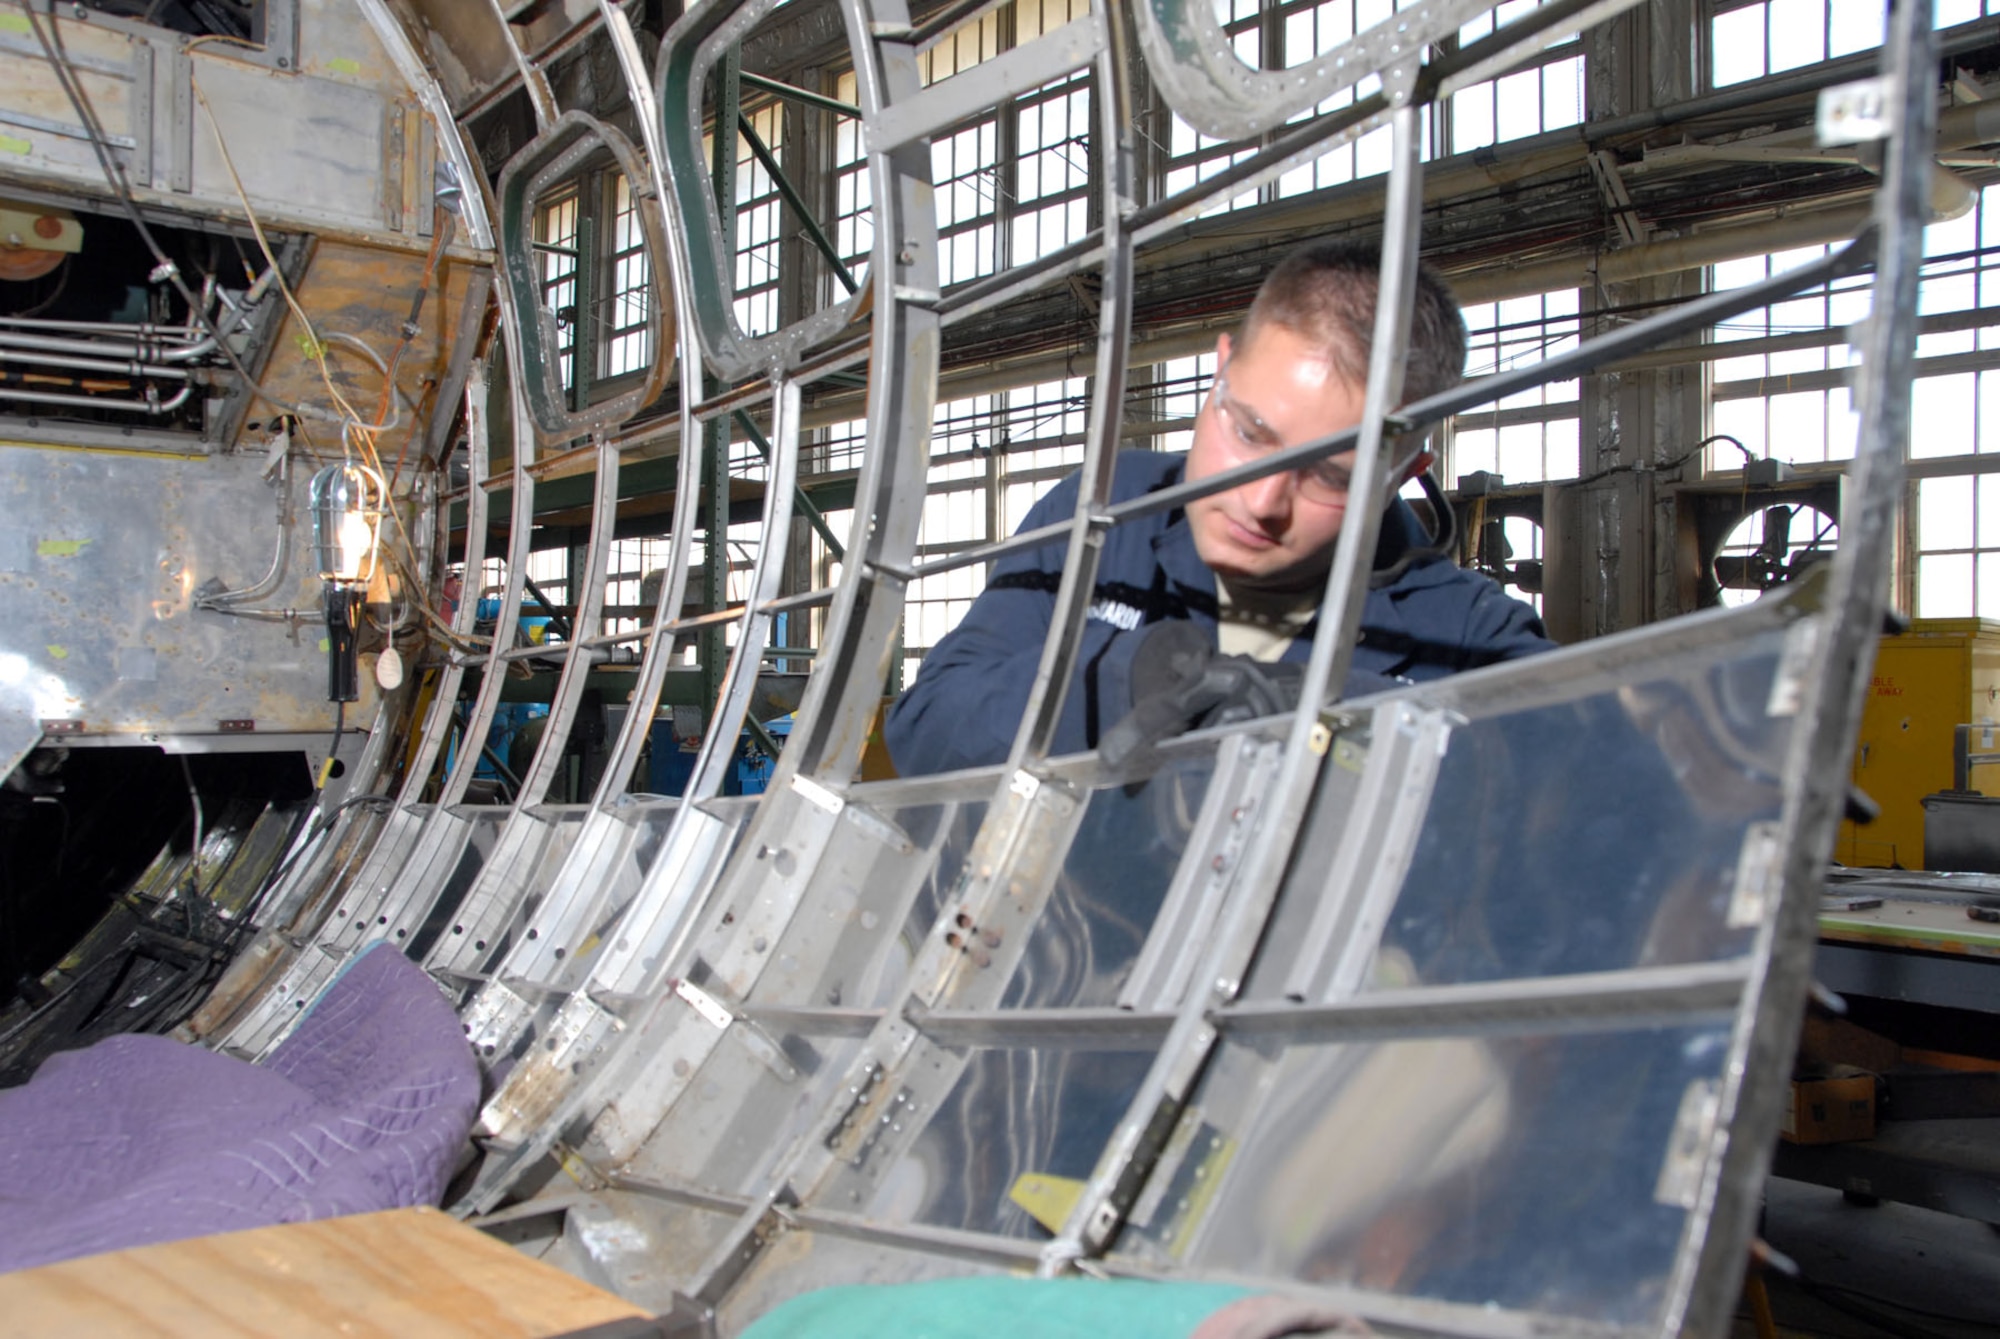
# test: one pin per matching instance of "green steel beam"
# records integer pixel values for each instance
(793, 93)
(800, 499)
(792, 197)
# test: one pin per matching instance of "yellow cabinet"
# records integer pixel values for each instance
(1942, 673)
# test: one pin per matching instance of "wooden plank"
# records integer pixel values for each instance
(417, 1273)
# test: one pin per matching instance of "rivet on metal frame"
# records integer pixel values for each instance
(817, 795)
(1788, 684)
(704, 1004)
(1320, 739)
(1687, 1146)
(1759, 875)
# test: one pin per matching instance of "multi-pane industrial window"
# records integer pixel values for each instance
(1194, 157)
(1766, 36)
(1180, 390)
(965, 162)
(1051, 170)
(598, 207)
(627, 598)
(1789, 403)
(1045, 425)
(759, 224)
(955, 517)
(555, 238)
(1012, 184)
(1748, 41)
(628, 344)
(1531, 435)
(1955, 411)
(1786, 397)
(1309, 30)
(1958, 547)
(853, 193)
(1547, 95)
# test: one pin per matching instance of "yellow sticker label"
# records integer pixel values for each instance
(1047, 1198)
(325, 645)
(8, 144)
(342, 65)
(14, 23)
(58, 652)
(60, 548)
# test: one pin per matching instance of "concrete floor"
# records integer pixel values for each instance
(1923, 1274)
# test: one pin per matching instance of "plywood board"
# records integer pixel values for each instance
(364, 293)
(415, 1273)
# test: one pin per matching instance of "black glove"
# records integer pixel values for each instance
(1180, 682)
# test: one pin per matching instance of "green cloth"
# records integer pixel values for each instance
(982, 1308)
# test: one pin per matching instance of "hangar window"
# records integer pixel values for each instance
(963, 440)
(1780, 389)
(630, 587)
(1752, 40)
(589, 234)
(1533, 435)
(759, 223)
(629, 346)
(1544, 95)
(1179, 388)
(1748, 41)
(1784, 395)
(1279, 37)
(1957, 538)
(555, 242)
(853, 203)
(1010, 184)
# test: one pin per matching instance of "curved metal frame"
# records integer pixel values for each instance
(698, 40)
(708, 995)
(554, 157)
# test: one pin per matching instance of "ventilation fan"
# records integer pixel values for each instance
(1494, 556)
(1762, 554)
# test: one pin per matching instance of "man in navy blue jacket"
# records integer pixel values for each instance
(1248, 566)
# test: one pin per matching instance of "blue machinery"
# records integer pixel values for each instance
(1466, 1009)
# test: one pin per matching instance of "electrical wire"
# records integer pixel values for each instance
(167, 268)
(315, 828)
(353, 428)
(333, 749)
(1662, 468)
(194, 801)
(316, 347)
(62, 283)
(114, 175)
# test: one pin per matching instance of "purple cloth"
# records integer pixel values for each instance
(140, 1139)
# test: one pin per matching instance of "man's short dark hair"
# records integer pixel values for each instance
(1325, 292)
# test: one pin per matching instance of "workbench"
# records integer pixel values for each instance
(1917, 947)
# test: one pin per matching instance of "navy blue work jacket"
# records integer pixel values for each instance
(1434, 619)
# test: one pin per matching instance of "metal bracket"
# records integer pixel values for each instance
(1632, 229)
(1760, 875)
(1679, 1184)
